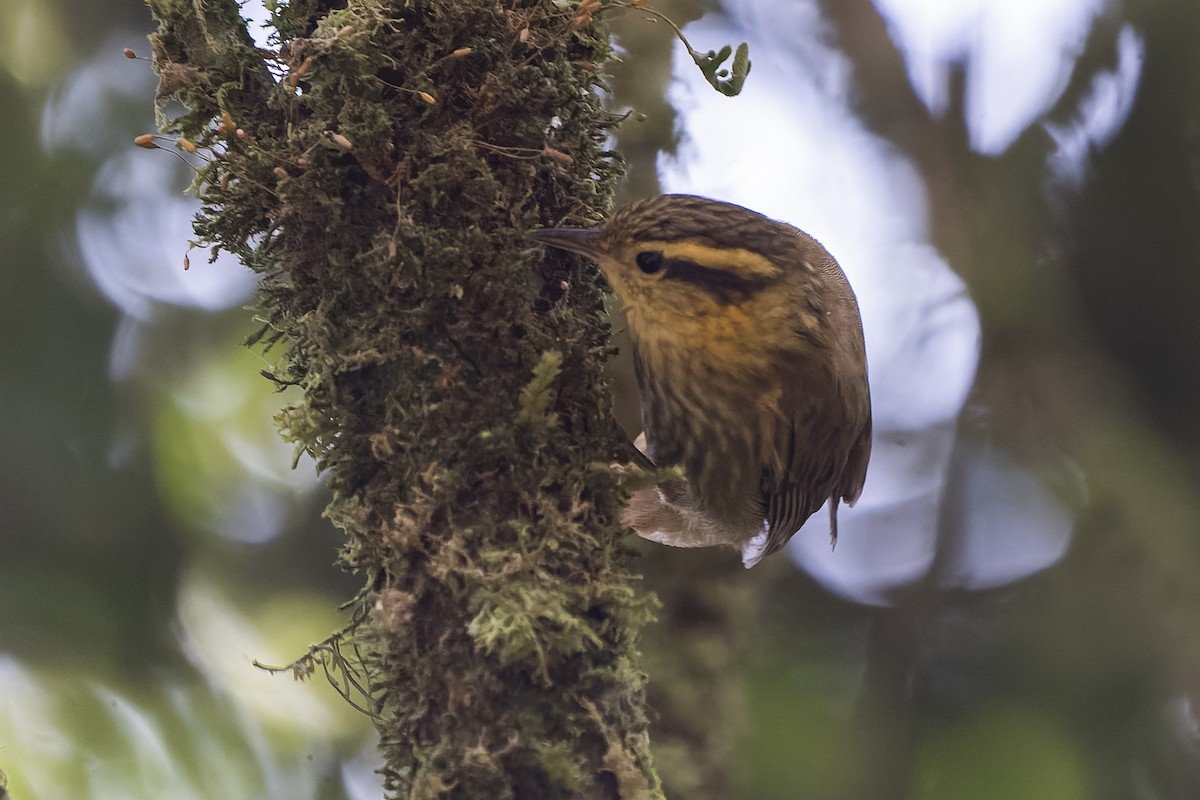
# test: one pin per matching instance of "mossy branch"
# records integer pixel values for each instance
(378, 168)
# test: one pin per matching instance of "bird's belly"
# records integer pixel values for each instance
(710, 424)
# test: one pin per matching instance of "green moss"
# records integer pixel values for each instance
(451, 375)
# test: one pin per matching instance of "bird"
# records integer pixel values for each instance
(751, 364)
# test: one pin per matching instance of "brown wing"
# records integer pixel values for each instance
(823, 434)
(828, 446)
(855, 473)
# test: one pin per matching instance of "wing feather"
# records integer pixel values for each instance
(827, 448)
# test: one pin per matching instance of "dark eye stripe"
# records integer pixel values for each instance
(726, 287)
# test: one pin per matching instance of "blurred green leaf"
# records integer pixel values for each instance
(1002, 752)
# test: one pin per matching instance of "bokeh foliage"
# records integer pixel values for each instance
(1080, 680)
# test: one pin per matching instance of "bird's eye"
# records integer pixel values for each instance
(650, 261)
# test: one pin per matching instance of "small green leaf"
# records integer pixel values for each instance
(726, 80)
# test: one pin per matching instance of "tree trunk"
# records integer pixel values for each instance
(378, 171)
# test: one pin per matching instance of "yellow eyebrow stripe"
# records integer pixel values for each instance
(731, 259)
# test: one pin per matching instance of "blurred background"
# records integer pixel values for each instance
(1013, 608)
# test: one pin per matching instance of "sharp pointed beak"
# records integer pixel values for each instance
(584, 241)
